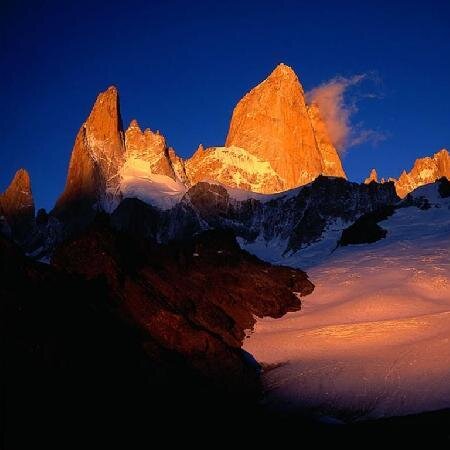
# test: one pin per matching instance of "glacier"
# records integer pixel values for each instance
(373, 339)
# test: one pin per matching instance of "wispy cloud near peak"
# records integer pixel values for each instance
(337, 112)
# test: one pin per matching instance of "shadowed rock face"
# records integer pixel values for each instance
(17, 207)
(118, 324)
(298, 218)
(195, 298)
(366, 229)
(444, 187)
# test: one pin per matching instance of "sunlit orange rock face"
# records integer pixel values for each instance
(150, 147)
(273, 124)
(97, 154)
(275, 142)
(17, 204)
(102, 150)
(425, 170)
(372, 177)
(235, 167)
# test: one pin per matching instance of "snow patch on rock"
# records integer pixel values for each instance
(137, 181)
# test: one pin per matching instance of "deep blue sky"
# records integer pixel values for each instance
(181, 66)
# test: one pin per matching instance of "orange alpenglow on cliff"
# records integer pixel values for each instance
(372, 177)
(425, 170)
(97, 154)
(275, 142)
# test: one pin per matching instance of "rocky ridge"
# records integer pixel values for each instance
(293, 220)
(425, 170)
(275, 142)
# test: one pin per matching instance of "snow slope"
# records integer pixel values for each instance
(373, 339)
(137, 181)
(234, 167)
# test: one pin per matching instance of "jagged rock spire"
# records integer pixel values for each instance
(372, 177)
(425, 170)
(97, 155)
(17, 205)
(272, 122)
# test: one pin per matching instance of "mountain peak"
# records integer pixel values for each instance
(272, 122)
(105, 114)
(425, 170)
(134, 124)
(283, 78)
(20, 183)
(283, 70)
(17, 204)
(372, 177)
(21, 179)
(97, 154)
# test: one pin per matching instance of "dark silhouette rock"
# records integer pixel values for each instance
(195, 298)
(122, 330)
(444, 187)
(365, 230)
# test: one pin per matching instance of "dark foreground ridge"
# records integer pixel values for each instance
(119, 330)
(123, 336)
(119, 339)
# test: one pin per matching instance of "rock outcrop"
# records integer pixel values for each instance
(93, 178)
(181, 294)
(273, 124)
(365, 230)
(117, 324)
(425, 170)
(234, 167)
(150, 148)
(289, 222)
(17, 207)
(108, 164)
(373, 176)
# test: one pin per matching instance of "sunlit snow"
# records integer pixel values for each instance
(374, 337)
(137, 181)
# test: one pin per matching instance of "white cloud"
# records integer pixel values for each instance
(337, 112)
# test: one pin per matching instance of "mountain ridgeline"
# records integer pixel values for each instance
(425, 170)
(275, 142)
(278, 176)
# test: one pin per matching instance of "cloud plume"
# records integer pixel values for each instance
(337, 112)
